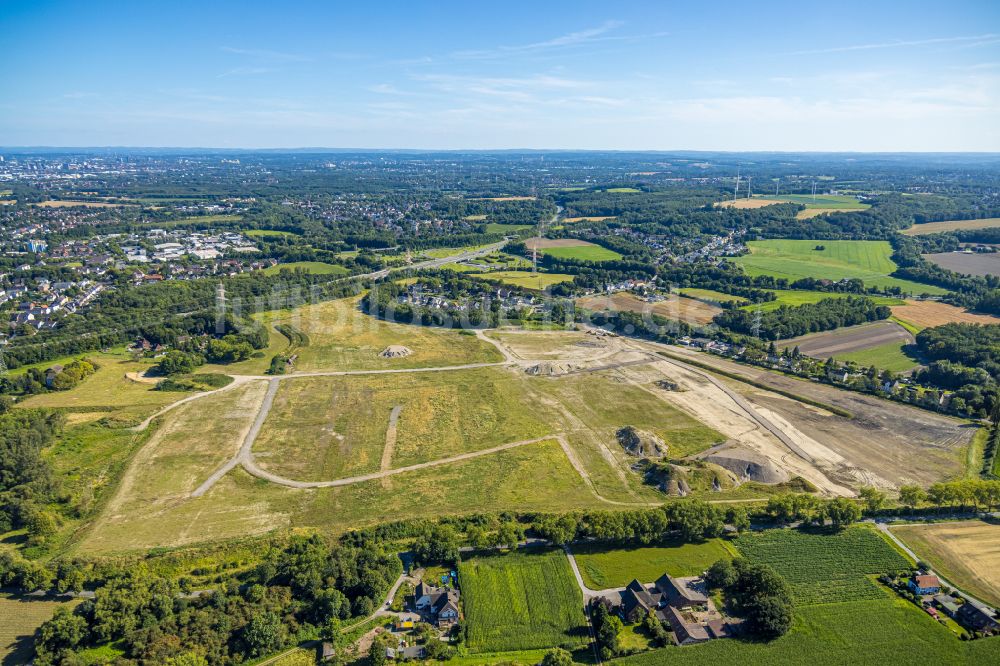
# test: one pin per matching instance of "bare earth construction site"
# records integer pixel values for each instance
(525, 420)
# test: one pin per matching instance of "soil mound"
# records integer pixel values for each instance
(748, 465)
(395, 351)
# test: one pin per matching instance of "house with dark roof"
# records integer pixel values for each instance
(638, 601)
(681, 592)
(437, 605)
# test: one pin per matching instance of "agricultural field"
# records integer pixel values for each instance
(792, 260)
(710, 295)
(850, 339)
(968, 263)
(572, 248)
(883, 631)
(796, 297)
(966, 553)
(927, 314)
(814, 205)
(603, 568)
(892, 356)
(952, 225)
(19, 618)
(823, 567)
(445, 252)
(678, 308)
(313, 267)
(525, 279)
(522, 601)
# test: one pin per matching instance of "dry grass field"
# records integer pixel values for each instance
(926, 314)
(592, 218)
(679, 308)
(325, 428)
(952, 225)
(966, 553)
(341, 337)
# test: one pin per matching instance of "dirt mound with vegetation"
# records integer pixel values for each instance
(747, 465)
(641, 443)
(395, 351)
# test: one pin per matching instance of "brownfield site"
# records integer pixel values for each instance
(967, 554)
(674, 307)
(952, 225)
(881, 442)
(969, 263)
(925, 314)
(849, 339)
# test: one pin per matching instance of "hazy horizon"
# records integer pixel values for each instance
(553, 76)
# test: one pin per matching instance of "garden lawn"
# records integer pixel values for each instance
(869, 261)
(604, 568)
(522, 601)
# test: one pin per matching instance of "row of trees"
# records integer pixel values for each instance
(789, 322)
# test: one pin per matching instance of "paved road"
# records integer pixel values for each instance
(588, 594)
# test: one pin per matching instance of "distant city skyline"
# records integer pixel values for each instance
(858, 76)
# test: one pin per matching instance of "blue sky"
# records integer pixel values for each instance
(859, 76)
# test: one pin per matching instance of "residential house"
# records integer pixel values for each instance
(438, 605)
(637, 602)
(406, 653)
(682, 592)
(925, 584)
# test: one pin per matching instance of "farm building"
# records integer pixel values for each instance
(974, 617)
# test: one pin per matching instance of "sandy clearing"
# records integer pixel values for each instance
(588, 218)
(882, 435)
(86, 204)
(708, 403)
(849, 339)
(927, 314)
